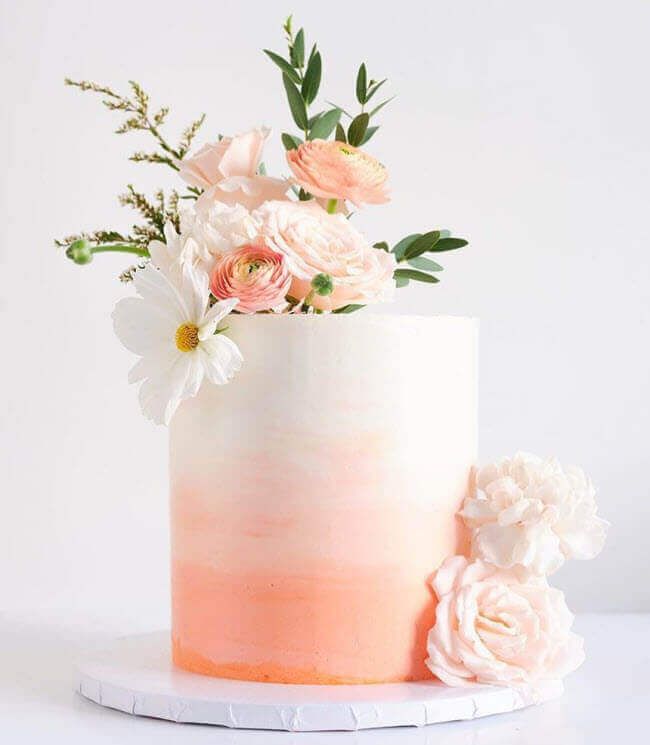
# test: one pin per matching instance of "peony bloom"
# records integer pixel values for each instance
(255, 274)
(315, 242)
(334, 170)
(227, 171)
(172, 330)
(211, 230)
(491, 627)
(530, 512)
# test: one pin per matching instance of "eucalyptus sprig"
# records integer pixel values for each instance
(410, 251)
(359, 130)
(301, 77)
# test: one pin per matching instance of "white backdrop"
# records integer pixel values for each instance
(520, 125)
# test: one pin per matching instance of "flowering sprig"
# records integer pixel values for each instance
(155, 212)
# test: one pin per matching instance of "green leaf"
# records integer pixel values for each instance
(449, 244)
(348, 308)
(290, 142)
(416, 275)
(361, 84)
(296, 104)
(312, 119)
(325, 124)
(374, 88)
(377, 109)
(369, 133)
(340, 133)
(311, 81)
(283, 65)
(311, 54)
(382, 245)
(419, 262)
(400, 247)
(401, 282)
(424, 243)
(357, 130)
(298, 50)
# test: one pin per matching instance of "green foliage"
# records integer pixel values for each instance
(362, 85)
(357, 129)
(311, 81)
(302, 84)
(410, 250)
(351, 308)
(296, 103)
(290, 142)
(415, 274)
(324, 124)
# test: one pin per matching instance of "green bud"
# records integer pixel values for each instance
(80, 252)
(322, 284)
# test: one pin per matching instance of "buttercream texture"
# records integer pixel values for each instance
(313, 499)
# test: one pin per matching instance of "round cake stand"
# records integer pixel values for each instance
(135, 675)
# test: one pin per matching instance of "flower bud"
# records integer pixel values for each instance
(322, 284)
(80, 252)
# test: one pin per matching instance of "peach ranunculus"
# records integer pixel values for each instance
(335, 170)
(315, 242)
(497, 626)
(227, 171)
(255, 274)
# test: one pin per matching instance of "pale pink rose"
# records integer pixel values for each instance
(335, 170)
(227, 171)
(255, 274)
(534, 513)
(499, 626)
(315, 242)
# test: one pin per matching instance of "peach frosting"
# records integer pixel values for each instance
(303, 544)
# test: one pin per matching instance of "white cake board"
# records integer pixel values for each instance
(135, 675)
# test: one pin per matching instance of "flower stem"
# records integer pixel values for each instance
(120, 247)
(331, 206)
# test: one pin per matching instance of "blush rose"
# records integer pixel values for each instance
(315, 242)
(499, 626)
(228, 171)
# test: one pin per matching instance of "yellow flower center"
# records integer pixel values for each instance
(187, 337)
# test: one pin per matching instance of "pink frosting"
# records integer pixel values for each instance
(255, 274)
(499, 626)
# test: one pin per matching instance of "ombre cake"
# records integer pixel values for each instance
(313, 498)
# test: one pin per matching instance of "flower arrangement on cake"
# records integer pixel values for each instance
(237, 240)
(444, 573)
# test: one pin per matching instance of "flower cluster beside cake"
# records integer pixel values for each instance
(328, 521)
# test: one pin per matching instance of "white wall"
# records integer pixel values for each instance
(521, 125)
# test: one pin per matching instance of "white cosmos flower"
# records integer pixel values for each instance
(172, 329)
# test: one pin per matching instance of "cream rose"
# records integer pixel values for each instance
(531, 512)
(228, 171)
(497, 626)
(208, 231)
(315, 242)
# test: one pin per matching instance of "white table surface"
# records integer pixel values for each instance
(606, 701)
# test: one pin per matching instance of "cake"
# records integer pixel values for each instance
(313, 497)
(328, 524)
